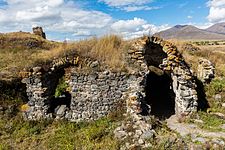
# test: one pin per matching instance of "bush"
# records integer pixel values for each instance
(215, 87)
(61, 87)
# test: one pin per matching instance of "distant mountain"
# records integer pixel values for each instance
(189, 32)
(217, 28)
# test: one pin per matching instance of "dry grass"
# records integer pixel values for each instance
(216, 56)
(23, 50)
(109, 49)
(19, 50)
(19, 41)
(215, 53)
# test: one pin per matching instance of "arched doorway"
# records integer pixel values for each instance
(160, 95)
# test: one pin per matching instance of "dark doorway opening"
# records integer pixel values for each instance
(60, 99)
(64, 99)
(160, 95)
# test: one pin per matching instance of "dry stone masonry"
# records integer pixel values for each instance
(98, 92)
(39, 31)
(41, 84)
(158, 54)
(93, 95)
(136, 130)
(206, 70)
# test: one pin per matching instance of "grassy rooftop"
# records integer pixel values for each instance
(21, 50)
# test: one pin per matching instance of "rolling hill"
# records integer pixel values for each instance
(217, 28)
(189, 32)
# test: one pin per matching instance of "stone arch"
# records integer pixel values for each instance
(41, 83)
(94, 94)
(160, 57)
(97, 93)
(159, 95)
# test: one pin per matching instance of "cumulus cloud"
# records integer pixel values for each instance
(54, 15)
(217, 10)
(136, 8)
(63, 19)
(135, 28)
(130, 5)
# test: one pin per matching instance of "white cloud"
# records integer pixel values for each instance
(136, 8)
(128, 25)
(130, 5)
(53, 15)
(203, 26)
(189, 17)
(63, 19)
(217, 10)
(135, 28)
(216, 3)
(116, 3)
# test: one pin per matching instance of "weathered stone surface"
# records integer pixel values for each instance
(199, 139)
(94, 64)
(61, 110)
(120, 134)
(206, 70)
(102, 94)
(137, 129)
(36, 69)
(39, 31)
(97, 94)
(162, 56)
(147, 135)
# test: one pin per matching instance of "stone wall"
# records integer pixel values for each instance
(94, 94)
(41, 83)
(206, 70)
(39, 31)
(98, 92)
(40, 91)
(153, 51)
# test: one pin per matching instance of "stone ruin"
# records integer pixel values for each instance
(164, 83)
(39, 31)
(206, 70)
(160, 84)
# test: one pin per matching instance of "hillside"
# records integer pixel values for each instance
(188, 32)
(217, 28)
(21, 51)
(17, 41)
(109, 75)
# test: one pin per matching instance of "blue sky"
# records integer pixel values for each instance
(79, 19)
(166, 12)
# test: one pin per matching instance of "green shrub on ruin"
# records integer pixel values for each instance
(61, 87)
